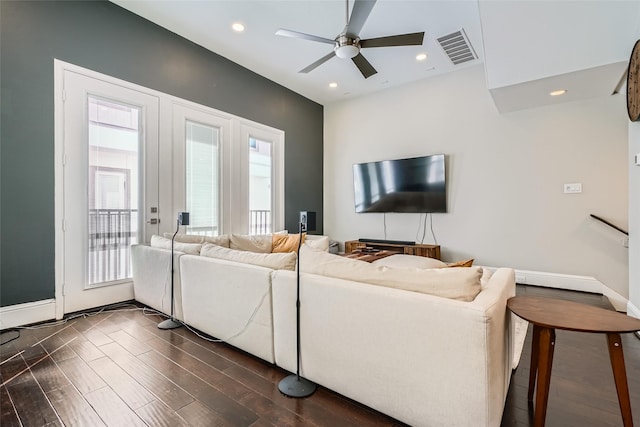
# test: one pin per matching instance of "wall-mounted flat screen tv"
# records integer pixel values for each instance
(413, 185)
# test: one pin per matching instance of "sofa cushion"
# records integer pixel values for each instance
(277, 261)
(286, 242)
(255, 243)
(317, 242)
(456, 283)
(164, 243)
(222, 240)
(409, 261)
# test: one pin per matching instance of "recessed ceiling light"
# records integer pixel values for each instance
(237, 27)
(333, 85)
(421, 57)
(558, 92)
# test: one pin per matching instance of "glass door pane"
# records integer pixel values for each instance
(113, 168)
(202, 178)
(260, 183)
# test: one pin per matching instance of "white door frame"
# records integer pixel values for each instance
(103, 86)
(241, 150)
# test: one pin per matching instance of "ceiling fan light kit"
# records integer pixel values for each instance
(347, 44)
(346, 48)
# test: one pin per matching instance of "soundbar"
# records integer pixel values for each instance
(388, 242)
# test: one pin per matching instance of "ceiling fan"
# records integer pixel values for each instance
(347, 44)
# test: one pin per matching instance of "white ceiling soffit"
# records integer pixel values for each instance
(584, 84)
(208, 23)
(534, 47)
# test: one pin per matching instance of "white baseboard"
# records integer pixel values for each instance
(632, 310)
(27, 313)
(572, 283)
(619, 302)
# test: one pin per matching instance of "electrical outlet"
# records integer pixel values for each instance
(573, 188)
(521, 278)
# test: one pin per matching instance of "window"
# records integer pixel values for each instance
(114, 141)
(202, 178)
(260, 183)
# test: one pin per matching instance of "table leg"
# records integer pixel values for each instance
(547, 344)
(533, 367)
(620, 375)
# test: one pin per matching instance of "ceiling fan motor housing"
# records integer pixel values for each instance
(346, 47)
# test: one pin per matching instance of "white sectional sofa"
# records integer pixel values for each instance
(152, 278)
(424, 359)
(230, 301)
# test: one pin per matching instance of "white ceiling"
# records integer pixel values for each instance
(208, 23)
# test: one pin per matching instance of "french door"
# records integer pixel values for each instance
(129, 158)
(201, 164)
(109, 187)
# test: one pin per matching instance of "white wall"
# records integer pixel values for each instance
(506, 175)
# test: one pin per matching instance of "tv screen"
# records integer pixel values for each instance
(414, 185)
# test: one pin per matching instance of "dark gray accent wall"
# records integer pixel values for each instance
(106, 38)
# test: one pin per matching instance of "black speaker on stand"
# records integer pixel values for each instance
(294, 385)
(171, 322)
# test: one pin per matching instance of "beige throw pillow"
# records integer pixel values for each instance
(257, 243)
(317, 242)
(222, 240)
(456, 283)
(277, 261)
(409, 261)
(164, 243)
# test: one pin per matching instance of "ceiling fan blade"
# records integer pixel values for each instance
(413, 39)
(364, 66)
(359, 15)
(317, 63)
(298, 35)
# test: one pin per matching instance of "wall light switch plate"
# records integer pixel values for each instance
(573, 188)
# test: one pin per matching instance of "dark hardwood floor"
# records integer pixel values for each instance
(118, 369)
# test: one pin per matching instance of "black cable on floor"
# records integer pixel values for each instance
(10, 339)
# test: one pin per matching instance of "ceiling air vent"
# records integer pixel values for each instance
(457, 47)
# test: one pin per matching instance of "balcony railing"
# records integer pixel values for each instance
(113, 231)
(259, 221)
(111, 234)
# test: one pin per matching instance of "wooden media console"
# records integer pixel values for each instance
(429, 251)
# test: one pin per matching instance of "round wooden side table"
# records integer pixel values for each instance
(547, 315)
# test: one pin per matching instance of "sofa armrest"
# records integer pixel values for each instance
(152, 278)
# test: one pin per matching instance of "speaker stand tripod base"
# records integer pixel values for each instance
(169, 324)
(296, 386)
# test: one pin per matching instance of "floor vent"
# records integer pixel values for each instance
(457, 47)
